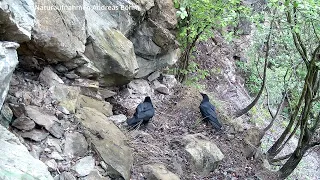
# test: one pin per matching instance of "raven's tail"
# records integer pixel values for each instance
(216, 125)
(133, 121)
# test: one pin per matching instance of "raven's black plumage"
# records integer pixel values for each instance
(209, 112)
(144, 112)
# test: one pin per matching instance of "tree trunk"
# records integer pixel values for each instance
(254, 102)
(291, 164)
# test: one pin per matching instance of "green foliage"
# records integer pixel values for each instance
(195, 75)
(259, 115)
(206, 15)
(198, 19)
(182, 13)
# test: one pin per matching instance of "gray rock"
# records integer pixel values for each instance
(155, 75)
(17, 109)
(54, 143)
(61, 68)
(105, 93)
(49, 78)
(159, 172)
(119, 18)
(204, 156)
(142, 40)
(58, 35)
(147, 66)
(17, 20)
(140, 86)
(52, 164)
(111, 58)
(76, 62)
(6, 115)
(8, 55)
(35, 134)
(108, 141)
(95, 175)
(56, 130)
(66, 95)
(72, 75)
(118, 119)
(145, 4)
(169, 80)
(40, 118)
(29, 63)
(75, 145)
(16, 161)
(23, 123)
(87, 71)
(55, 155)
(86, 83)
(36, 151)
(91, 92)
(84, 166)
(63, 110)
(66, 176)
(102, 106)
(164, 13)
(160, 87)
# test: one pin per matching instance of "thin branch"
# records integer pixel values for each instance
(314, 144)
(281, 158)
(315, 32)
(296, 41)
(277, 112)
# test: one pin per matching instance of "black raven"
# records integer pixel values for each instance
(208, 112)
(144, 112)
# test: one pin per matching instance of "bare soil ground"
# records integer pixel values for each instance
(161, 141)
(178, 115)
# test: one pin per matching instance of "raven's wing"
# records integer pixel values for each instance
(208, 111)
(132, 121)
(145, 111)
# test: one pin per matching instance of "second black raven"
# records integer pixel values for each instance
(208, 112)
(144, 112)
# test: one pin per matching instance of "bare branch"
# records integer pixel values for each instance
(281, 158)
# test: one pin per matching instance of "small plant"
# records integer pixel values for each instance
(195, 74)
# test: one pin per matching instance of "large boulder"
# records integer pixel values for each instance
(111, 52)
(48, 77)
(75, 145)
(108, 141)
(58, 34)
(40, 118)
(8, 62)
(17, 20)
(159, 172)
(140, 87)
(113, 14)
(204, 156)
(147, 66)
(16, 161)
(164, 13)
(101, 106)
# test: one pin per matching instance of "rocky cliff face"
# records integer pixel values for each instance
(112, 41)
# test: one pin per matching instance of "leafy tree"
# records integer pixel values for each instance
(293, 75)
(198, 19)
